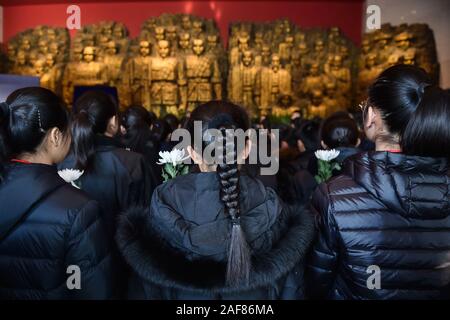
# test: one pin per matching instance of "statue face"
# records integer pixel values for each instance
(316, 99)
(118, 33)
(184, 43)
(54, 48)
(88, 55)
(144, 49)
(403, 44)
(370, 61)
(318, 47)
(11, 51)
(171, 34)
(247, 58)
(21, 58)
(39, 67)
(111, 50)
(243, 44)
(198, 47)
(26, 45)
(159, 33)
(43, 47)
(314, 71)
(50, 61)
(275, 63)
(163, 49)
(186, 22)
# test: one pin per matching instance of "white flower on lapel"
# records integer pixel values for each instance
(327, 155)
(175, 157)
(70, 175)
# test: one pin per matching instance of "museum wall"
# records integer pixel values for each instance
(432, 12)
(345, 14)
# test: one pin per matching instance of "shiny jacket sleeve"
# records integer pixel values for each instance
(322, 261)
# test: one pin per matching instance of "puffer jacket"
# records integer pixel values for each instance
(46, 225)
(384, 230)
(178, 248)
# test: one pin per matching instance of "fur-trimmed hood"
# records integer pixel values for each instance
(182, 240)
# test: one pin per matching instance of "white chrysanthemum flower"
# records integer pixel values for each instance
(70, 175)
(327, 155)
(175, 157)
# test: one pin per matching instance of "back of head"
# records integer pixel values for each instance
(428, 131)
(397, 92)
(339, 131)
(94, 111)
(224, 116)
(160, 130)
(25, 119)
(136, 121)
(173, 121)
(308, 133)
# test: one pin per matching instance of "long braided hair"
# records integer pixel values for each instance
(227, 117)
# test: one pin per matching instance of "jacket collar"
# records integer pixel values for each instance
(416, 187)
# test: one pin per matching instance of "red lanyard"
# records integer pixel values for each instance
(21, 161)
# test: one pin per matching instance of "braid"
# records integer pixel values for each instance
(238, 267)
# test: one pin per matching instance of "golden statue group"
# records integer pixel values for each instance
(178, 62)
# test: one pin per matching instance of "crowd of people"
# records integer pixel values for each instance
(224, 231)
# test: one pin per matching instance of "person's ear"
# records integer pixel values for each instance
(113, 127)
(371, 117)
(55, 137)
(323, 144)
(247, 149)
(194, 155)
(358, 142)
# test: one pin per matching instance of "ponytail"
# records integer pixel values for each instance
(428, 133)
(239, 256)
(4, 137)
(83, 140)
(96, 108)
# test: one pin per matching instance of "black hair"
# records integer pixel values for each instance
(152, 116)
(225, 115)
(428, 131)
(136, 121)
(308, 133)
(25, 118)
(172, 121)
(339, 130)
(160, 130)
(396, 93)
(94, 111)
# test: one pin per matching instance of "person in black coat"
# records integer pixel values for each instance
(385, 222)
(137, 137)
(47, 227)
(115, 177)
(216, 234)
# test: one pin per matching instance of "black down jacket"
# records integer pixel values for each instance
(178, 248)
(385, 230)
(46, 225)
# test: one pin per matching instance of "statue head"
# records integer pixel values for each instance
(336, 63)
(383, 38)
(392, 60)
(331, 88)
(49, 60)
(410, 57)
(247, 58)
(119, 31)
(212, 40)
(144, 48)
(186, 22)
(371, 60)
(111, 48)
(43, 46)
(365, 46)
(160, 33)
(54, 48)
(243, 41)
(89, 54)
(403, 40)
(11, 52)
(51, 34)
(163, 48)
(316, 97)
(21, 58)
(275, 62)
(171, 33)
(197, 26)
(184, 40)
(107, 29)
(314, 69)
(32, 57)
(26, 44)
(198, 47)
(319, 45)
(289, 40)
(303, 48)
(39, 67)
(285, 100)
